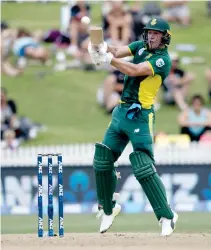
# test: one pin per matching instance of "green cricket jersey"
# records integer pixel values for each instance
(143, 89)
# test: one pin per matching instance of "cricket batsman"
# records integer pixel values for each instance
(133, 120)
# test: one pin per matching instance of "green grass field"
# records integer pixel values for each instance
(188, 222)
(65, 101)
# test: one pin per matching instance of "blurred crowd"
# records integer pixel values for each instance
(15, 128)
(25, 45)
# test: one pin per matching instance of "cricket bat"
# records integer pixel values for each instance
(96, 37)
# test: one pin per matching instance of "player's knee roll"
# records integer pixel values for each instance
(103, 158)
(142, 165)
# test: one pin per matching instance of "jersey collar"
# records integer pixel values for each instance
(156, 51)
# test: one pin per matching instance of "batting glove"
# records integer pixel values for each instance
(107, 58)
(100, 56)
(103, 48)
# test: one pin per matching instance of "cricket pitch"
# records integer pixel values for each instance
(114, 241)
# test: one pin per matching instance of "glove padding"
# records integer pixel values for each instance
(100, 49)
(106, 58)
(100, 57)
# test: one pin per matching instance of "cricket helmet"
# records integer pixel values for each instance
(160, 25)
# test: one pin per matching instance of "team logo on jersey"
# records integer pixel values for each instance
(160, 62)
(153, 22)
(140, 52)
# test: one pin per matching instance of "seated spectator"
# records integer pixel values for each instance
(23, 128)
(78, 31)
(109, 94)
(152, 8)
(8, 113)
(177, 84)
(208, 77)
(26, 46)
(7, 38)
(142, 14)
(177, 11)
(79, 37)
(196, 120)
(118, 23)
(4, 25)
(9, 142)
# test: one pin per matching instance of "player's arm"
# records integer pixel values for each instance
(130, 69)
(119, 51)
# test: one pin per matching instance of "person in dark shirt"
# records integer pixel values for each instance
(10, 120)
(110, 93)
(8, 113)
(208, 78)
(176, 85)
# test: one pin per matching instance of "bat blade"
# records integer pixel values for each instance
(96, 36)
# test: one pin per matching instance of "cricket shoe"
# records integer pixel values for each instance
(116, 209)
(168, 225)
(107, 220)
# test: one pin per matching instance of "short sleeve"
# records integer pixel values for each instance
(160, 65)
(134, 46)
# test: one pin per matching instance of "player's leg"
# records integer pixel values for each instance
(39, 53)
(142, 160)
(105, 155)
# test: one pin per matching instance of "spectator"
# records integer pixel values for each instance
(4, 25)
(26, 46)
(151, 9)
(196, 120)
(9, 142)
(209, 8)
(79, 37)
(141, 15)
(109, 95)
(177, 11)
(119, 23)
(23, 128)
(8, 113)
(208, 77)
(176, 85)
(7, 38)
(78, 31)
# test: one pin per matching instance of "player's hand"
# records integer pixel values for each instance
(95, 56)
(106, 58)
(96, 59)
(100, 49)
(103, 47)
(100, 57)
